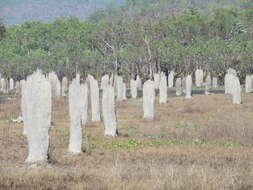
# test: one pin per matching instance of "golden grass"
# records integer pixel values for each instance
(202, 143)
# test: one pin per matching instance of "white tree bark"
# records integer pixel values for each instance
(109, 111)
(139, 82)
(208, 84)
(188, 87)
(124, 92)
(17, 87)
(215, 82)
(163, 89)
(104, 81)
(171, 79)
(24, 102)
(55, 83)
(228, 80)
(39, 110)
(199, 76)
(78, 105)
(11, 87)
(115, 84)
(178, 87)
(133, 88)
(157, 80)
(4, 86)
(226, 83)
(248, 83)
(120, 90)
(94, 95)
(64, 86)
(149, 100)
(184, 85)
(251, 76)
(236, 90)
(232, 71)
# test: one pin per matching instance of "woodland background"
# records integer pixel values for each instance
(128, 37)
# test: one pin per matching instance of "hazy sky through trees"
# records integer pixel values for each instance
(19, 11)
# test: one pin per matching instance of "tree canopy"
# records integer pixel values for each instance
(134, 39)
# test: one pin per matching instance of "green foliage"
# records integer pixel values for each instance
(230, 144)
(23, 137)
(197, 141)
(136, 144)
(138, 38)
(2, 30)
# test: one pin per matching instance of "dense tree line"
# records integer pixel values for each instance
(46, 10)
(132, 40)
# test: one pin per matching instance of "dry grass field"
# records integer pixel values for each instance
(202, 143)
